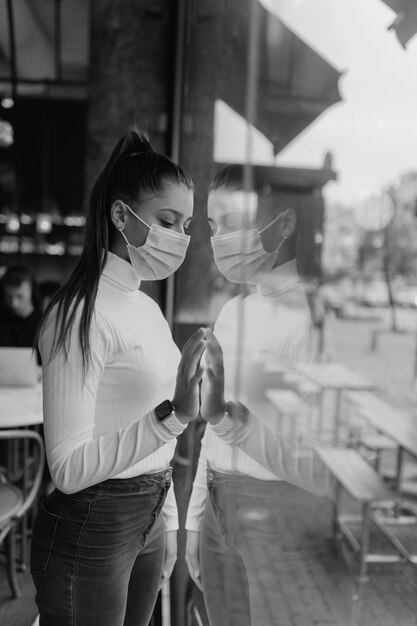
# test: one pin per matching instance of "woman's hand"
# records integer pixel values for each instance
(186, 397)
(170, 555)
(212, 393)
(192, 556)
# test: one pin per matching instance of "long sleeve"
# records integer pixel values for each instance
(77, 456)
(292, 460)
(199, 492)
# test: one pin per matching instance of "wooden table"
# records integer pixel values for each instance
(20, 406)
(337, 378)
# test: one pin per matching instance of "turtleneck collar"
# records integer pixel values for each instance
(121, 272)
(279, 280)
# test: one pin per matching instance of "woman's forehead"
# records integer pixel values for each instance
(222, 203)
(177, 198)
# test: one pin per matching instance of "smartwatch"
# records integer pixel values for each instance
(164, 409)
(165, 414)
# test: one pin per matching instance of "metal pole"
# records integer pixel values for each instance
(248, 178)
(12, 47)
(57, 40)
(176, 126)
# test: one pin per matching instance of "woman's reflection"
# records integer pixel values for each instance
(244, 489)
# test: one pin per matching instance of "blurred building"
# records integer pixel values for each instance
(406, 192)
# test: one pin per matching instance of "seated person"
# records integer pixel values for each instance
(20, 310)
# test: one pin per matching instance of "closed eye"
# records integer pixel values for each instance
(166, 224)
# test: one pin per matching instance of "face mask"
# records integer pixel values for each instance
(240, 256)
(161, 254)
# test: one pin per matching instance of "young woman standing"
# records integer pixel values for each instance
(117, 393)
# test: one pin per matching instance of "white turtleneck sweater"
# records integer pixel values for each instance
(273, 324)
(104, 426)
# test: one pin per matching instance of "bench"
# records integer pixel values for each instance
(353, 474)
(369, 407)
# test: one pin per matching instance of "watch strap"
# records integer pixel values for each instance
(225, 425)
(173, 424)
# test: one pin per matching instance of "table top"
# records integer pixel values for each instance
(20, 406)
(336, 376)
(397, 423)
(285, 400)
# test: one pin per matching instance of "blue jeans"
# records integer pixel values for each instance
(97, 555)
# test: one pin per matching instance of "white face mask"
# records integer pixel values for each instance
(161, 254)
(240, 256)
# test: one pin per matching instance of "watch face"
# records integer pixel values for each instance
(164, 409)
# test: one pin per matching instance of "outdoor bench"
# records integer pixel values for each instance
(369, 407)
(354, 475)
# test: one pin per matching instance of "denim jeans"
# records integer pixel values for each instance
(255, 538)
(97, 555)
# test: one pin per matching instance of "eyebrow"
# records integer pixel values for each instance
(172, 210)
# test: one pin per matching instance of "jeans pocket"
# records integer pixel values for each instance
(43, 538)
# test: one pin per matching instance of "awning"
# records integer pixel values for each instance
(295, 83)
(405, 24)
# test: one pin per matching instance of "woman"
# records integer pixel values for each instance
(117, 392)
(248, 478)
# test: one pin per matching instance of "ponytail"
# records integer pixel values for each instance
(133, 170)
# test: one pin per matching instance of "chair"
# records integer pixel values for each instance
(18, 493)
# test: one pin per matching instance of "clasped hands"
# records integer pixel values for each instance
(201, 362)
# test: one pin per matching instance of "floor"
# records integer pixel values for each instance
(318, 589)
(21, 611)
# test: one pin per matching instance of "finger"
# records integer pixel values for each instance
(194, 572)
(212, 379)
(216, 361)
(197, 581)
(213, 347)
(199, 373)
(211, 338)
(196, 337)
(166, 574)
(190, 358)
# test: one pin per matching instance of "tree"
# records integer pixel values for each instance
(392, 251)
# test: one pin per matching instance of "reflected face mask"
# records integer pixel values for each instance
(162, 253)
(240, 256)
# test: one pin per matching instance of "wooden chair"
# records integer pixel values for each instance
(18, 493)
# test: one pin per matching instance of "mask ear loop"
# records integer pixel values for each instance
(284, 238)
(124, 236)
(281, 243)
(273, 222)
(137, 216)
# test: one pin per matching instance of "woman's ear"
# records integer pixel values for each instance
(288, 223)
(118, 214)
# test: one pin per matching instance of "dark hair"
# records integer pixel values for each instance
(15, 275)
(133, 171)
(230, 177)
